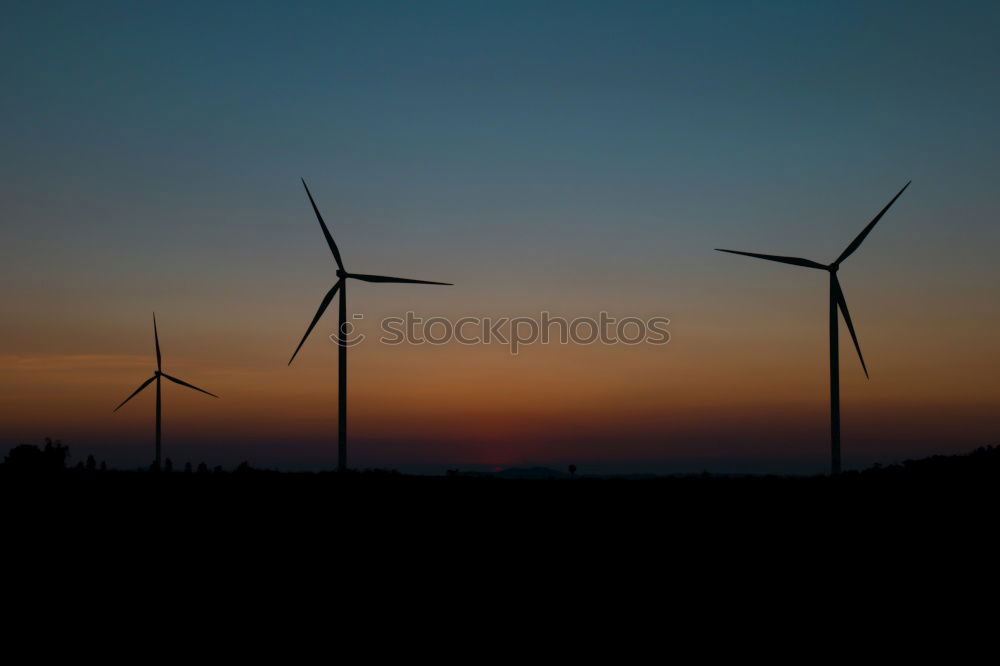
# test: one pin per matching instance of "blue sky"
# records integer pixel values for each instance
(573, 155)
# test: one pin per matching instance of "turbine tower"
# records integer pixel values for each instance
(837, 300)
(341, 285)
(157, 374)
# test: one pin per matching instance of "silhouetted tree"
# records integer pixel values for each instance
(56, 452)
(29, 459)
(202, 468)
(168, 465)
(91, 464)
(187, 468)
(104, 466)
(154, 466)
(25, 457)
(572, 470)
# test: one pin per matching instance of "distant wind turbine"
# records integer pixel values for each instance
(341, 284)
(157, 374)
(836, 300)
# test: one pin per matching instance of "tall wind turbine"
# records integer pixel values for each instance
(157, 374)
(836, 300)
(341, 285)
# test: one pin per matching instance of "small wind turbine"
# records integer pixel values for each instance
(157, 374)
(341, 284)
(836, 300)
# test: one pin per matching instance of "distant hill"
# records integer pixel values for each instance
(530, 473)
(982, 463)
(33, 462)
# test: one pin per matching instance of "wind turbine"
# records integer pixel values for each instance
(341, 285)
(157, 374)
(836, 301)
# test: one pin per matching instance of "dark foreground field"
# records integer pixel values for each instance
(454, 530)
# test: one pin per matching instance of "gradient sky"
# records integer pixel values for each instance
(571, 157)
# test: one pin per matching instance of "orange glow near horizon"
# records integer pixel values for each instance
(696, 398)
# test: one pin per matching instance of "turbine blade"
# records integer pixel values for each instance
(326, 232)
(319, 313)
(795, 261)
(856, 243)
(383, 278)
(183, 383)
(842, 302)
(135, 392)
(156, 337)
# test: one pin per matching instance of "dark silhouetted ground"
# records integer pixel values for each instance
(210, 526)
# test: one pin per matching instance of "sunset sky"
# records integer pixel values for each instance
(571, 157)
